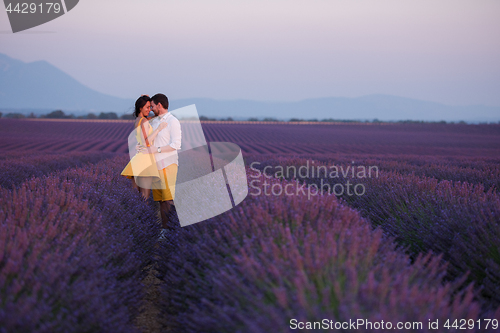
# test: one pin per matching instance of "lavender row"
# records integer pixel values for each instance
(459, 219)
(266, 139)
(485, 171)
(124, 207)
(74, 249)
(274, 258)
(17, 169)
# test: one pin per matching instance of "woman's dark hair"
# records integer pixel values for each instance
(139, 104)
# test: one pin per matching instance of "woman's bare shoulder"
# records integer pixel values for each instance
(136, 121)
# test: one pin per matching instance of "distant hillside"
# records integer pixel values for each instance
(381, 107)
(39, 87)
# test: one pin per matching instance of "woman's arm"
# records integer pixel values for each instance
(153, 135)
(144, 130)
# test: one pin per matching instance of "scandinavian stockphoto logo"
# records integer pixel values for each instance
(28, 14)
(211, 178)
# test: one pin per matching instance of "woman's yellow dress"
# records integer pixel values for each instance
(141, 165)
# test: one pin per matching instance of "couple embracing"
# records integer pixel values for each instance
(155, 164)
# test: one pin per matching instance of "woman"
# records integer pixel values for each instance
(142, 167)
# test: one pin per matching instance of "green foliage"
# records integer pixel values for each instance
(58, 114)
(15, 116)
(108, 115)
(127, 116)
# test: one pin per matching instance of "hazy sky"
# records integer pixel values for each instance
(440, 50)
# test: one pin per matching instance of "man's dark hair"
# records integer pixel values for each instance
(160, 99)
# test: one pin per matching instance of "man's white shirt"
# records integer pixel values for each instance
(169, 136)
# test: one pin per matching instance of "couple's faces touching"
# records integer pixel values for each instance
(150, 106)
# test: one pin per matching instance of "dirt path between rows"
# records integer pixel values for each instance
(147, 321)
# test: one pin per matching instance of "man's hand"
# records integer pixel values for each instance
(146, 150)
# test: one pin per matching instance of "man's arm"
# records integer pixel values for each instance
(164, 149)
(175, 137)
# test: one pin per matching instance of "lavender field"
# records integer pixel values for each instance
(418, 242)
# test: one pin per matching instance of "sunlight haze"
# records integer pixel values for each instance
(441, 51)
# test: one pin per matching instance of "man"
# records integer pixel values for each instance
(165, 146)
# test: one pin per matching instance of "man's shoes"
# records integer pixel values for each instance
(163, 235)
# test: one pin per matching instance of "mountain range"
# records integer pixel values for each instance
(40, 87)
